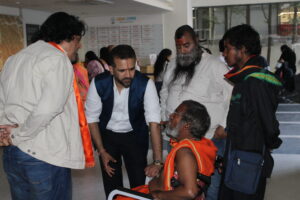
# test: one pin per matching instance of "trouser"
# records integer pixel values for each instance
(229, 194)
(32, 179)
(290, 84)
(213, 189)
(124, 145)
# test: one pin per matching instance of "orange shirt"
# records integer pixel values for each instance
(82, 79)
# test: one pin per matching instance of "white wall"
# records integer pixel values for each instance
(205, 3)
(9, 11)
(182, 14)
(28, 16)
(34, 16)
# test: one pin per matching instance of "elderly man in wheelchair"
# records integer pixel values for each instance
(189, 165)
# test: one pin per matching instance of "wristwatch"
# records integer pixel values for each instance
(158, 162)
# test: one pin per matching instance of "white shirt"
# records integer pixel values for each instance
(208, 87)
(36, 92)
(119, 121)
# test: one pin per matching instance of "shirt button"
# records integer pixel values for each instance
(33, 153)
(28, 150)
(12, 136)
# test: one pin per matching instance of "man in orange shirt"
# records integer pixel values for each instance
(189, 165)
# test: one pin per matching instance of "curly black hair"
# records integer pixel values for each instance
(244, 36)
(58, 27)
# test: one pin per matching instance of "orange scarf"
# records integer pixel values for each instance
(204, 151)
(84, 129)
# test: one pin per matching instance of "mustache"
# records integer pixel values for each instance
(127, 79)
(186, 59)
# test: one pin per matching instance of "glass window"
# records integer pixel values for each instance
(277, 24)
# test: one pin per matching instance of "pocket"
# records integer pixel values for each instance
(40, 178)
(37, 173)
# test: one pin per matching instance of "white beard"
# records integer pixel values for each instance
(173, 132)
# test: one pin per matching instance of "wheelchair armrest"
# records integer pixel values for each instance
(205, 179)
(129, 193)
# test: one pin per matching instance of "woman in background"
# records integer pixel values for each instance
(93, 65)
(81, 76)
(104, 58)
(160, 66)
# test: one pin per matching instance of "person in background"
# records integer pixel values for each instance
(104, 58)
(160, 66)
(40, 113)
(121, 108)
(81, 76)
(93, 65)
(110, 47)
(251, 122)
(288, 55)
(286, 68)
(221, 50)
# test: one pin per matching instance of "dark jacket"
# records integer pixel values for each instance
(289, 56)
(251, 121)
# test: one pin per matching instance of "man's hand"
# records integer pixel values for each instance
(106, 158)
(5, 141)
(155, 195)
(163, 123)
(220, 133)
(5, 131)
(153, 170)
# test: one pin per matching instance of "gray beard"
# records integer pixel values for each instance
(173, 132)
(187, 58)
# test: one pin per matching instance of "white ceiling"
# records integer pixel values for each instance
(88, 8)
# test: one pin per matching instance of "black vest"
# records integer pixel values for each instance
(104, 85)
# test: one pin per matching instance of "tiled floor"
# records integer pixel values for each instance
(284, 183)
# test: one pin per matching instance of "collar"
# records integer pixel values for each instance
(57, 46)
(237, 75)
(116, 88)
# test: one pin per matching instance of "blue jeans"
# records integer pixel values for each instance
(214, 188)
(32, 179)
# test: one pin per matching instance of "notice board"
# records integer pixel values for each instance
(145, 39)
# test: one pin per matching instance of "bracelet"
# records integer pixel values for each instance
(158, 163)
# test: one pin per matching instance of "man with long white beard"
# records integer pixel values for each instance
(199, 76)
